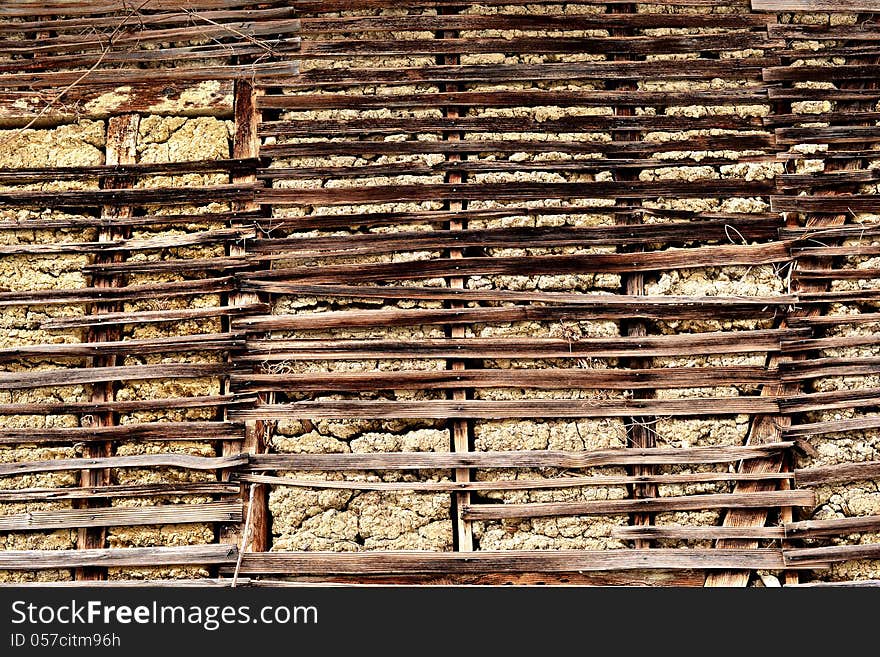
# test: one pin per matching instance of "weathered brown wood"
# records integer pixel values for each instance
(832, 527)
(138, 461)
(154, 556)
(277, 350)
(117, 196)
(77, 376)
(549, 378)
(114, 245)
(836, 426)
(761, 500)
(148, 316)
(512, 237)
(509, 409)
(524, 98)
(121, 516)
(510, 484)
(63, 408)
(508, 459)
(379, 563)
(835, 474)
(118, 491)
(15, 175)
(116, 294)
(196, 342)
(500, 191)
(688, 533)
(613, 578)
(164, 431)
(830, 554)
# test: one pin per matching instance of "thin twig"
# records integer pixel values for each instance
(245, 539)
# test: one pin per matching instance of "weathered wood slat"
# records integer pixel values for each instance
(164, 242)
(695, 533)
(524, 98)
(139, 461)
(768, 340)
(834, 474)
(441, 409)
(832, 527)
(149, 316)
(317, 48)
(481, 315)
(644, 505)
(109, 295)
(379, 563)
(173, 344)
(815, 5)
(78, 376)
(506, 191)
(118, 491)
(830, 554)
(145, 431)
(837, 426)
(748, 140)
(210, 265)
(838, 203)
(508, 459)
(65, 408)
(117, 557)
(707, 256)
(85, 221)
(121, 516)
(116, 77)
(508, 484)
(551, 378)
(346, 127)
(820, 401)
(14, 175)
(139, 196)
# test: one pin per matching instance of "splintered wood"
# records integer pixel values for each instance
(440, 292)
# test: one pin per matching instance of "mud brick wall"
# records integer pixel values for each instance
(426, 292)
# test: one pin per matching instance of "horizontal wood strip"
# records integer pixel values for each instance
(163, 242)
(641, 505)
(317, 48)
(749, 140)
(84, 221)
(837, 426)
(831, 527)
(115, 77)
(548, 378)
(836, 203)
(66, 408)
(165, 345)
(15, 175)
(138, 461)
(91, 294)
(708, 256)
(389, 562)
(507, 191)
(831, 554)
(79, 376)
(509, 459)
(118, 491)
(815, 5)
(117, 557)
(524, 98)
(478, 409)
(482, 315)
(138, 196)
(515, 237)
(756, 341)
(692, 533)
(172, 265)
(830, 400)
(340, 127)
(511, 484)
(835, 474)
(121, 516)
(144, 431)
(149, 316)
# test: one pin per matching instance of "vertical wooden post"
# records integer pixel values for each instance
(121, 148)
(639, 431)
(464, 538)
(246, 144)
